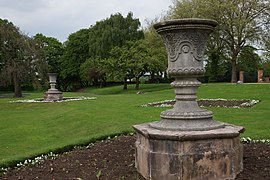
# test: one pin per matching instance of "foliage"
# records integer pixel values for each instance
(266, 68)
(216, 66)
(249, 60)
(19, 57)
(157, 64)
(111, 32)
(75, 53)
(52, 50)
(86, 59)
(135, 58)
(241, 22)
(94, 71)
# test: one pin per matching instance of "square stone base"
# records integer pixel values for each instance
(53, 96)
(197, 155)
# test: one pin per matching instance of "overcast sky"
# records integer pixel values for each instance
(59, 18)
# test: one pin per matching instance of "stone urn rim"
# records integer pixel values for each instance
(51, 74)
(186, 22)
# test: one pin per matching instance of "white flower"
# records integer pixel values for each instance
(249, 140)
(64, 100)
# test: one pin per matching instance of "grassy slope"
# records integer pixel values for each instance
(29, 129)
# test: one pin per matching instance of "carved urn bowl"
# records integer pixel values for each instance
(185, 41)
(52, 77)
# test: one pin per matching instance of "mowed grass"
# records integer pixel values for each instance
(30, 129)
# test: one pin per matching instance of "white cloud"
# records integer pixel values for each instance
(59, 18)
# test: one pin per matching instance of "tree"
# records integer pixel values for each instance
(241, 22)
(76, 52)
(249, 60)
(94, 71)
(52, 50)
(106, 35)
(157, 64)
(120, 57)
(18, 56)
(131, 60)
(111, 32)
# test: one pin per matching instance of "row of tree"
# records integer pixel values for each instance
(118, 49)
(114, 49)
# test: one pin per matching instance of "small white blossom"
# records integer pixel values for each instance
(169, 103)
(67, 99)
(249, 140)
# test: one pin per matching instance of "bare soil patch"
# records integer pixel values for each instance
(114, 160)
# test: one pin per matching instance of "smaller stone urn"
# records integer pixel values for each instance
(53, 94)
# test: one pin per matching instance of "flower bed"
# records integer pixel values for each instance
(65, 99)
(227, 103)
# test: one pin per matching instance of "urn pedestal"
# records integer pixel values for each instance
(187, 143)
(53, 94)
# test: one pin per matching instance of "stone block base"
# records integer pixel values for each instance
(53, 96)
(180, 155)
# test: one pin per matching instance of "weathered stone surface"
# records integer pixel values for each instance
(187, 143)
(260, 75)
(213, 154)
(185, 41)
(241, 76)
(53, 94)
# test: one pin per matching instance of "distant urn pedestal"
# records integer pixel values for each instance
(187, 143)
(241, 76)
(260, 75)
(53, 94)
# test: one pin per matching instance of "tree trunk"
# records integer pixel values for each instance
(17, 86)
(125, 84)
(233, 75)
(137, 83)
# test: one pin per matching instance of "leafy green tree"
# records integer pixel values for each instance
(88, 50)
(111, 32)
(266, 68)
(241, 22)
(76, 52)
(131, 61)
(216, 66)
(17, 52)
(249, 60)
(103, 37)
(157, 64)
(95, 71)
(120, 57)
(51, 50)
(139, 61)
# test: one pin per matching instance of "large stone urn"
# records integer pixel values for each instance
(187, 143)
(53, 94)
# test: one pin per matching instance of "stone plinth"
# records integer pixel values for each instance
(180, 155)
(260, 75)
(241, 76)
(53, 95)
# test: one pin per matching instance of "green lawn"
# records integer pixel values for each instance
(31, 129)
